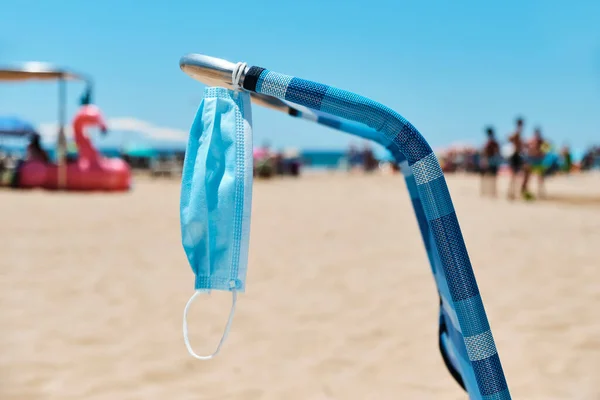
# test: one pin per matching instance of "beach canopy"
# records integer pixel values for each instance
(38, 71)
(17, 127)
(41, 71)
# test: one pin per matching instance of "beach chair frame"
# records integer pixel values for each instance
(465, 337)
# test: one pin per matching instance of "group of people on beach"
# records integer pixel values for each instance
(268, 163)
(526, 159)
(362, 159)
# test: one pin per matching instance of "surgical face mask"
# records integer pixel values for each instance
(216, 198)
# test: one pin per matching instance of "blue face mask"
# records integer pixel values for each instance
(216, 197)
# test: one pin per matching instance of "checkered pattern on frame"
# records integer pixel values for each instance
(465, 336)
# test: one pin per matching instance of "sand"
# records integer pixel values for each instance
(340, 301)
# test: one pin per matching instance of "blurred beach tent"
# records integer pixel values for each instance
(139, 151)
(291, 153)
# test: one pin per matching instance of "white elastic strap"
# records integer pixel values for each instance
(237, 73)
(227, 327)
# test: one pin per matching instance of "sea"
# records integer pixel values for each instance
(313, 159)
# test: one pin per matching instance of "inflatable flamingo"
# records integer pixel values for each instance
(91, 171)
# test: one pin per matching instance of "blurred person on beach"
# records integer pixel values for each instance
(490, 157)
(591, 158)
(4, 177)
(355, 157)
(517, 163)
(278, 161)
(264, 166)
(567, 159)
(370, 163)
(537, 148)
(35, 152)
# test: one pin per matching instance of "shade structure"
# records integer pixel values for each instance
(41, 71)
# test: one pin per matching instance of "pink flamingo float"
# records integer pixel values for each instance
(91, 170)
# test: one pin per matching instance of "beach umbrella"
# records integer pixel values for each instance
(17, 127)
(14, 129)
(260, 153)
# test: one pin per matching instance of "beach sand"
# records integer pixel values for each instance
(340, 302)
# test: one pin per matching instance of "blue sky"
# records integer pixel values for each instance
(449, 67)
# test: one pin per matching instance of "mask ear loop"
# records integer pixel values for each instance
(225, 332)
